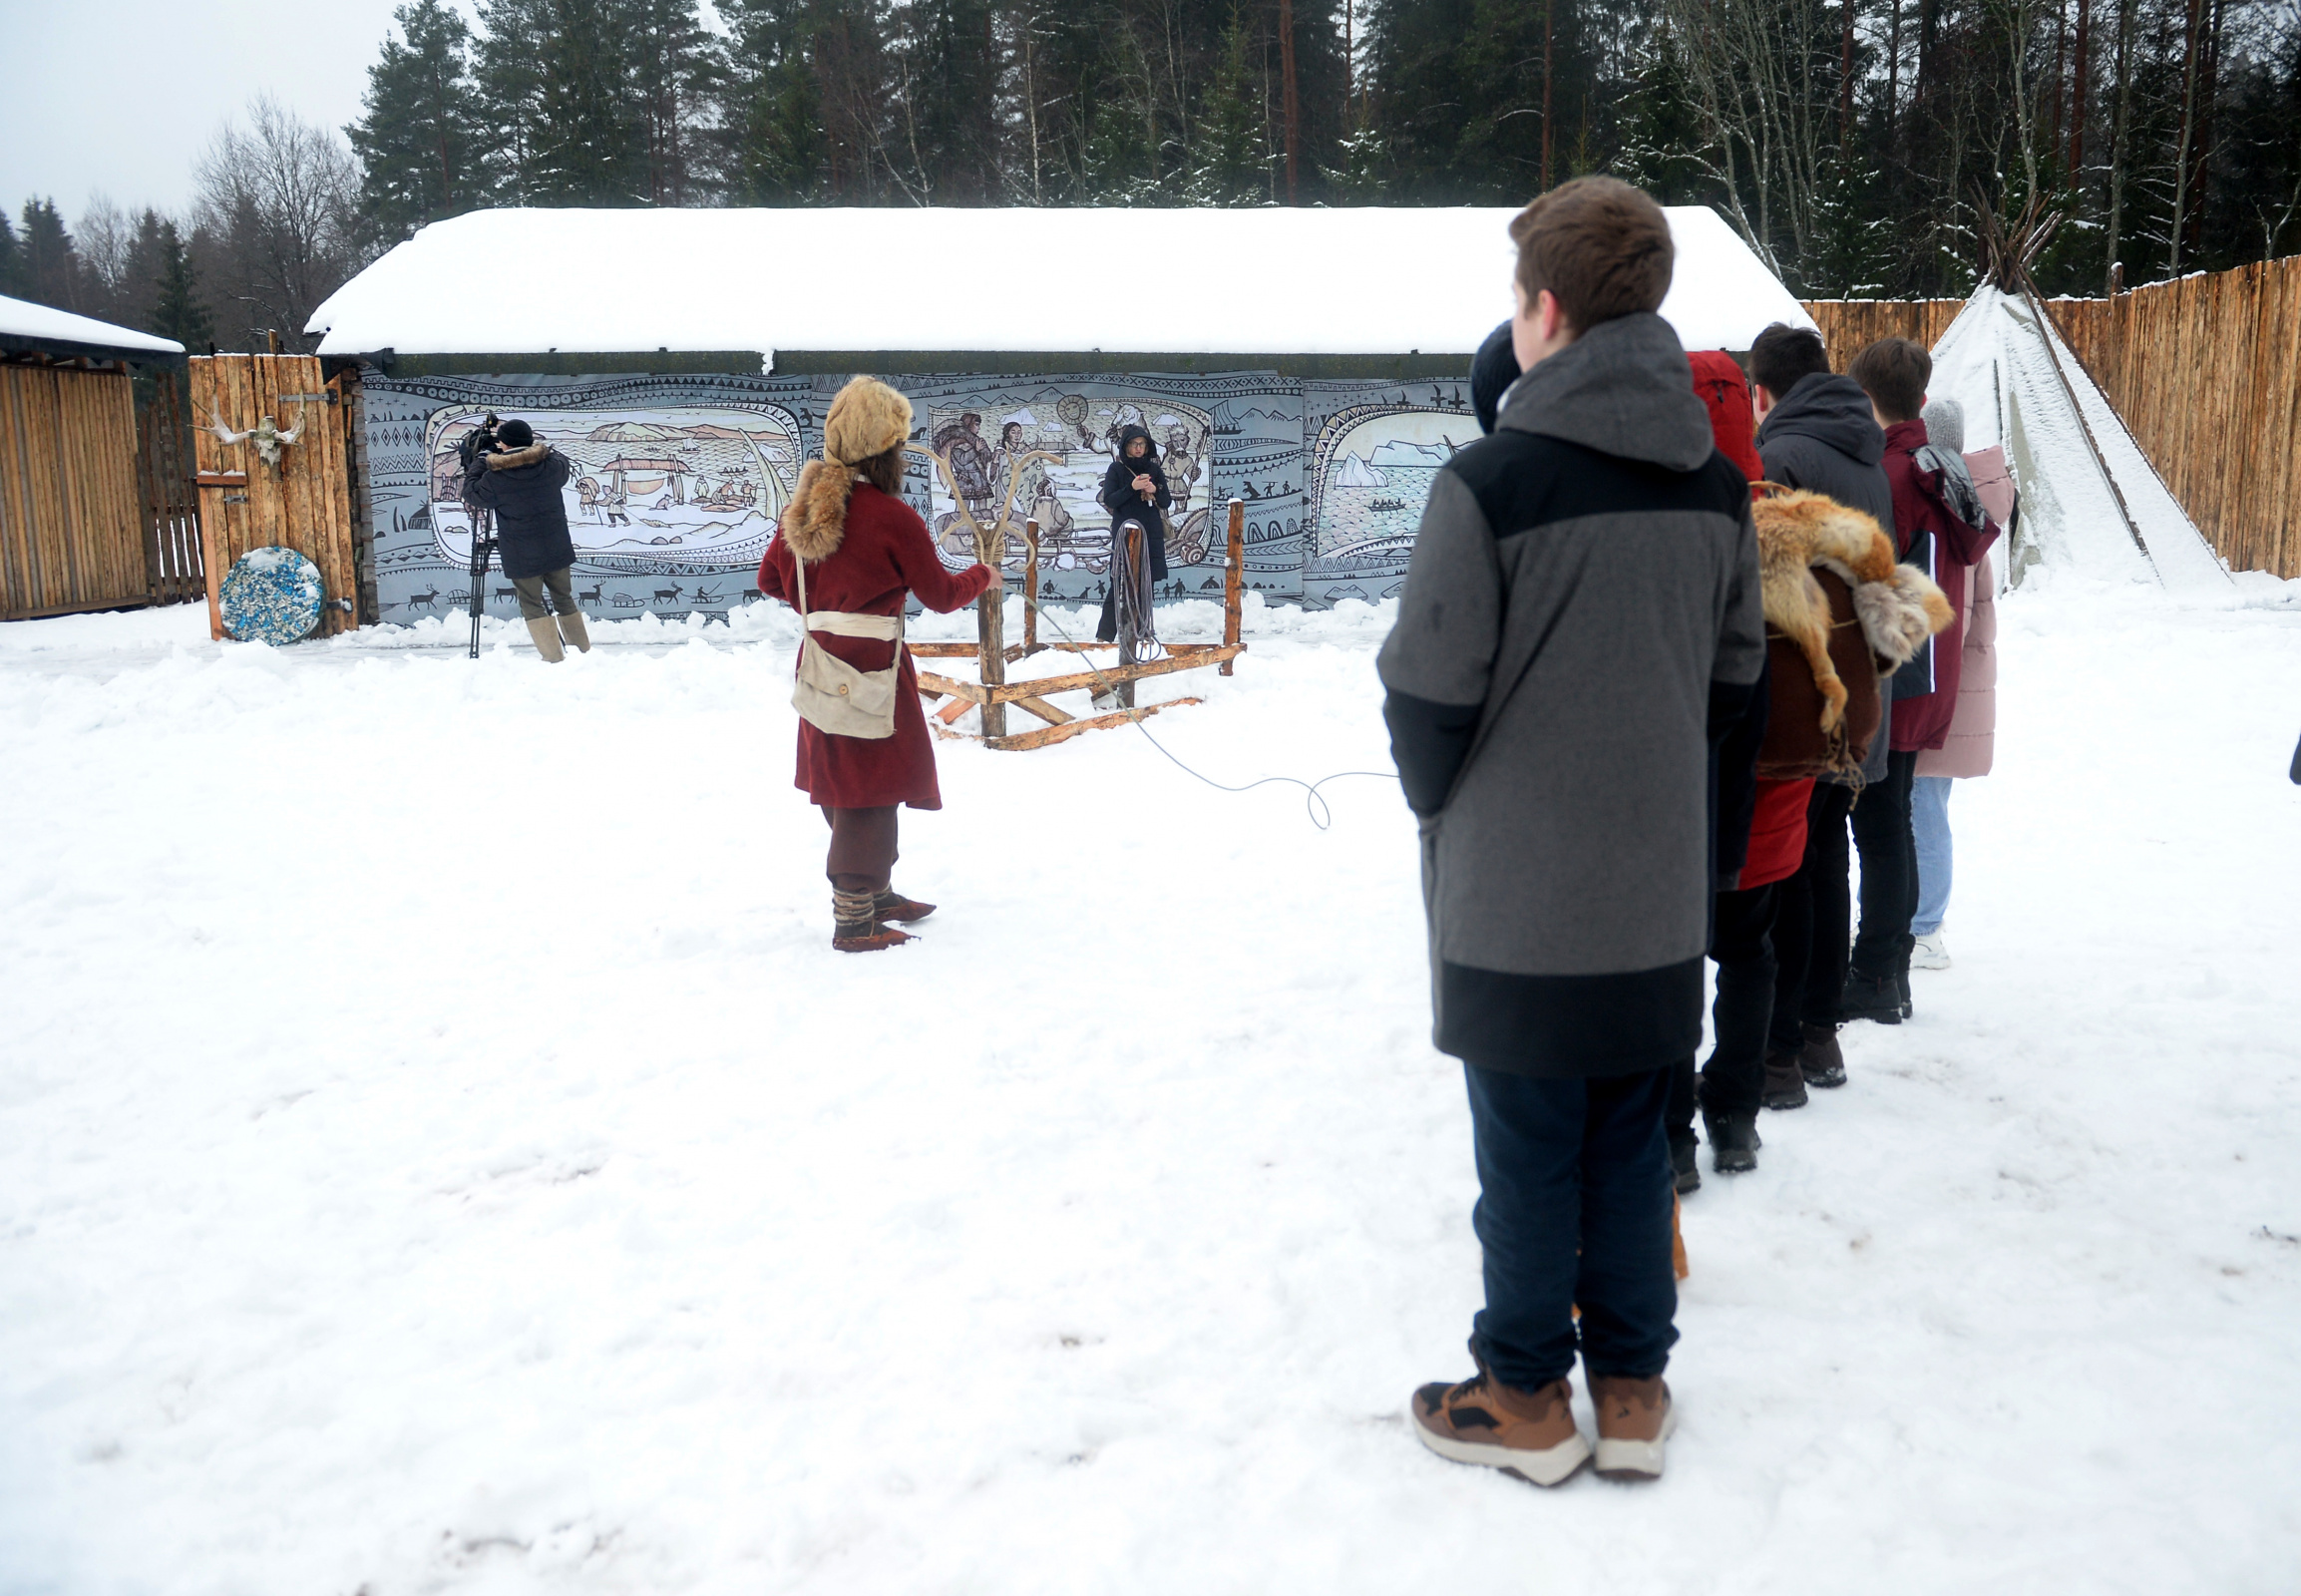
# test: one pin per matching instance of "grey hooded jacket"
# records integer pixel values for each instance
(1583, 597)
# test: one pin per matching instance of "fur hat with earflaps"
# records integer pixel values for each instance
(868, 418)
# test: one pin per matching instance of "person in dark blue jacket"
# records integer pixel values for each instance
(520, 478)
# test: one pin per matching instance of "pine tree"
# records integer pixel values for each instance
(417, 140)
(1230, 155)
(51, 270)
(674, 64)
(508, 72)
(12, 274)
(772, 111)
(1660, 130)
(177, 310)
(589, 140)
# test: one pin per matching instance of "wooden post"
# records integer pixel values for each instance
(1132, 555)
(990, 629)
(1030, 587)
(1234, 576)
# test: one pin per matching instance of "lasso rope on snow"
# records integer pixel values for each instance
(1313, 802)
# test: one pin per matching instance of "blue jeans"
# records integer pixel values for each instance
(1573, 1208)
(1929, 823)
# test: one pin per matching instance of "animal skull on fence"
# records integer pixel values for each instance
(269, 439)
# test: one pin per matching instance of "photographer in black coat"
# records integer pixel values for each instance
(1134, 488)
(508, 470)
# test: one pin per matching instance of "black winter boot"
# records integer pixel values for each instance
(1869, 997)
(1785, 1081)
(1683, 1168)
(1822, 1061)
(1734, 1142)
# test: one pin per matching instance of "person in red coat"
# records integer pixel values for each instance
(864, 552)
(1760, 841)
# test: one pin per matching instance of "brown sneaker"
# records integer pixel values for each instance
(892, 905)
(1822, 1061)
(1634, 1419)
(1785, 1082)
(1529, 1434)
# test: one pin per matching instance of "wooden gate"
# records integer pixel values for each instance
(71, 533)
(303, 503)
(171, 503)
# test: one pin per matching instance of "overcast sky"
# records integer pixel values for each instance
(120, 96)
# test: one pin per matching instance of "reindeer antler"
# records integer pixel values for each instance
(221, 431)
(290, 436)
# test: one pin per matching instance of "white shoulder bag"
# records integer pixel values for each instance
(832, 695)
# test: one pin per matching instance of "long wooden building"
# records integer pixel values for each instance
(75, 531)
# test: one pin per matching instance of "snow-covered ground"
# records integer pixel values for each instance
(439, 1151)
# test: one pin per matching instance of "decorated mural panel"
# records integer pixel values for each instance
(679, 481)
(1371, 450)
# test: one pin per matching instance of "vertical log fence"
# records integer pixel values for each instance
(2205, 372)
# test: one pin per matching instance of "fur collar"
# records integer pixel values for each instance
(531, 455)
(815, 524)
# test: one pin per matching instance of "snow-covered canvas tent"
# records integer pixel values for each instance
(2090, 500)
(1312, 362)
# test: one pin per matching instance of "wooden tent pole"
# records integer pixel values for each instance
(1030, 587)
(1234, 576)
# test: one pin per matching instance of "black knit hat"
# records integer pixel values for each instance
(516, 434)
(1492, 369)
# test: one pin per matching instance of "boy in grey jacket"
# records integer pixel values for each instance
(1580, 619)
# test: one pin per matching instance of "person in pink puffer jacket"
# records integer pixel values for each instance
(1970, 743)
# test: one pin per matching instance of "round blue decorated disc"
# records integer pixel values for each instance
(271, 596)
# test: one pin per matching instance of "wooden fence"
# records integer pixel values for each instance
(170, 504)
(2205, 372)
(71, 525)
(303, 503)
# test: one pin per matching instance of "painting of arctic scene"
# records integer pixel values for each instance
(683, 484)
(1374, 465)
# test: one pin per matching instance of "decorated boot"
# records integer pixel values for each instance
(892, 905)
(855, 927)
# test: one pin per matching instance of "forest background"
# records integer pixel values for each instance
(1855, 143)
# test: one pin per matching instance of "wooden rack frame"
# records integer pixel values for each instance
(994, 653)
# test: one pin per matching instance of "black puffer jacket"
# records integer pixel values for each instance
(523, 488)
(1124, 504)
(1823, 437)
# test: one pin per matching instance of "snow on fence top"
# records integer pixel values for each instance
(20, 319)
(1370, 282)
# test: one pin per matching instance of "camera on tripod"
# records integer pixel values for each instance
(481, 440)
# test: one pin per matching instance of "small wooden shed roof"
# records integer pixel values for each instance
(30, 329)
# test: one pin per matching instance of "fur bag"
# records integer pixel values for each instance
(1840, 615)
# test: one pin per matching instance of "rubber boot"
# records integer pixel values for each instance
(547, 639)
(573, 629)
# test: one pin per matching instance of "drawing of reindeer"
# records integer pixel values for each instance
(507, 592)
(425, 600)
(591, 596)
(667, 595)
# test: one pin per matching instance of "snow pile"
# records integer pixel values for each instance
(1370, 280)
(505, 1189)
(2038, 402)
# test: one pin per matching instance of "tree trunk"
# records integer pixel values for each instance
(2121, 123)
(1548, 7)
(2060, 66)
(1845, 82)
(1292, 106)
(2078, 104)
(2192, 18)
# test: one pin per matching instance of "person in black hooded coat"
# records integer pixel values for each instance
(521, 478)
(1123, 495)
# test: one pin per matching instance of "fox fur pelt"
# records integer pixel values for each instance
(867, 418)
(1898, 607)
(815, 521)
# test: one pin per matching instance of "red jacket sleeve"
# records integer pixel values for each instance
(924, 573)
(771, 571)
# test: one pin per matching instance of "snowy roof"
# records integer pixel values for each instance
(28, 324)
(1371, 282)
